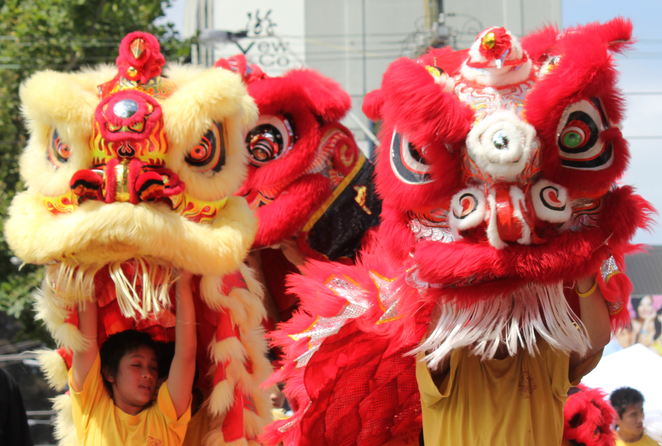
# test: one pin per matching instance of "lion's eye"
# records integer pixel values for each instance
(579, 136)
(407, 161)
(209, 153)
(269, 139)
(58, 152)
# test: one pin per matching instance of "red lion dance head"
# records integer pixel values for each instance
(306, 174)
(497, 171)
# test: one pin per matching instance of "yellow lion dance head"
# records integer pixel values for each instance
(130, 176)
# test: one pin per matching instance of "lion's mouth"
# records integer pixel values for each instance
(131, 181)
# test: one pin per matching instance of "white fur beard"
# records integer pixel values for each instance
(73, 283)
(514, 320)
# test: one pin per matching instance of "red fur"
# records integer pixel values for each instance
(539, 43)
(585, 71)
(325, 96)
(372, 105)
(283, 96)
(148, 65)
(432, 116)
(587, 418)
(289, 212)
(437, 124)
(446, 173)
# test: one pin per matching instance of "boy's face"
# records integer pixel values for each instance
(136, 378)
(632, 421)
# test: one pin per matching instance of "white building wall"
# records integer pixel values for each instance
(468, 17)
(353, 41)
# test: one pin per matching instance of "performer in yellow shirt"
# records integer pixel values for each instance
(509, 400)
(629, 404)
(112, 390)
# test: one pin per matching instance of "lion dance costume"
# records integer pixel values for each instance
(306, 176)
(497, 172)
(130, 176)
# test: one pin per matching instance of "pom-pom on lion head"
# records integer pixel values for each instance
(128, 164)
(306, 175)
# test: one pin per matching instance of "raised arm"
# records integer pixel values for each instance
(83, 360)
(595, 317)
(182, 369)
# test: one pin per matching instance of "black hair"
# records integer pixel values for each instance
(657, 324)
(116, 346)
(636, 301)
(623, 397)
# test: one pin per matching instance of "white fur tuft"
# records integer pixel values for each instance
(515, 320)
(54, 368)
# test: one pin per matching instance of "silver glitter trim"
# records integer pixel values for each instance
(357, 304)
(432, 233)
(294, 420)
(609, 268)
(388, 297)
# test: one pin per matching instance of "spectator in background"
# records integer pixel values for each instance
(629, 405)
(657, 343)
(643, 326)
(14, 428)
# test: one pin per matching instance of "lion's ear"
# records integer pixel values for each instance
(326, 98)
(372, 105)
(61, 100)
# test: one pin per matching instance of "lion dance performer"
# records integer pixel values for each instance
(131, 176)
(497, 171)
(309, 183)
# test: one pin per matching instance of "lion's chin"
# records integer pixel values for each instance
(97, 234)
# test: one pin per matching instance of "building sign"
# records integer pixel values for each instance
(274, 32)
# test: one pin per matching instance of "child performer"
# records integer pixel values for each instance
(112, 395)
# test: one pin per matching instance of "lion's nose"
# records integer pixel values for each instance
(501, 144)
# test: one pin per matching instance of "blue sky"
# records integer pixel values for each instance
(639, 70)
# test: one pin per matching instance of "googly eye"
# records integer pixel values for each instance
(209, 153)
(272, 137)
(407, 161)
(579, 136)
(58, 152)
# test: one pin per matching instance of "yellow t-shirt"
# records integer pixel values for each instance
(100, 423)
(643, 441)
(516, 401)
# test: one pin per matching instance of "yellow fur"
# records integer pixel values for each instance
(47, 309)
(189, 114)
(69, 106)
(228, 349)
(221, 397)
(76, 244)
(101, 233)
(54, 368)
(65, 429)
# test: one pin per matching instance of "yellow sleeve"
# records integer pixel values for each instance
(430, 393)
(177, 426)
(93, 389)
